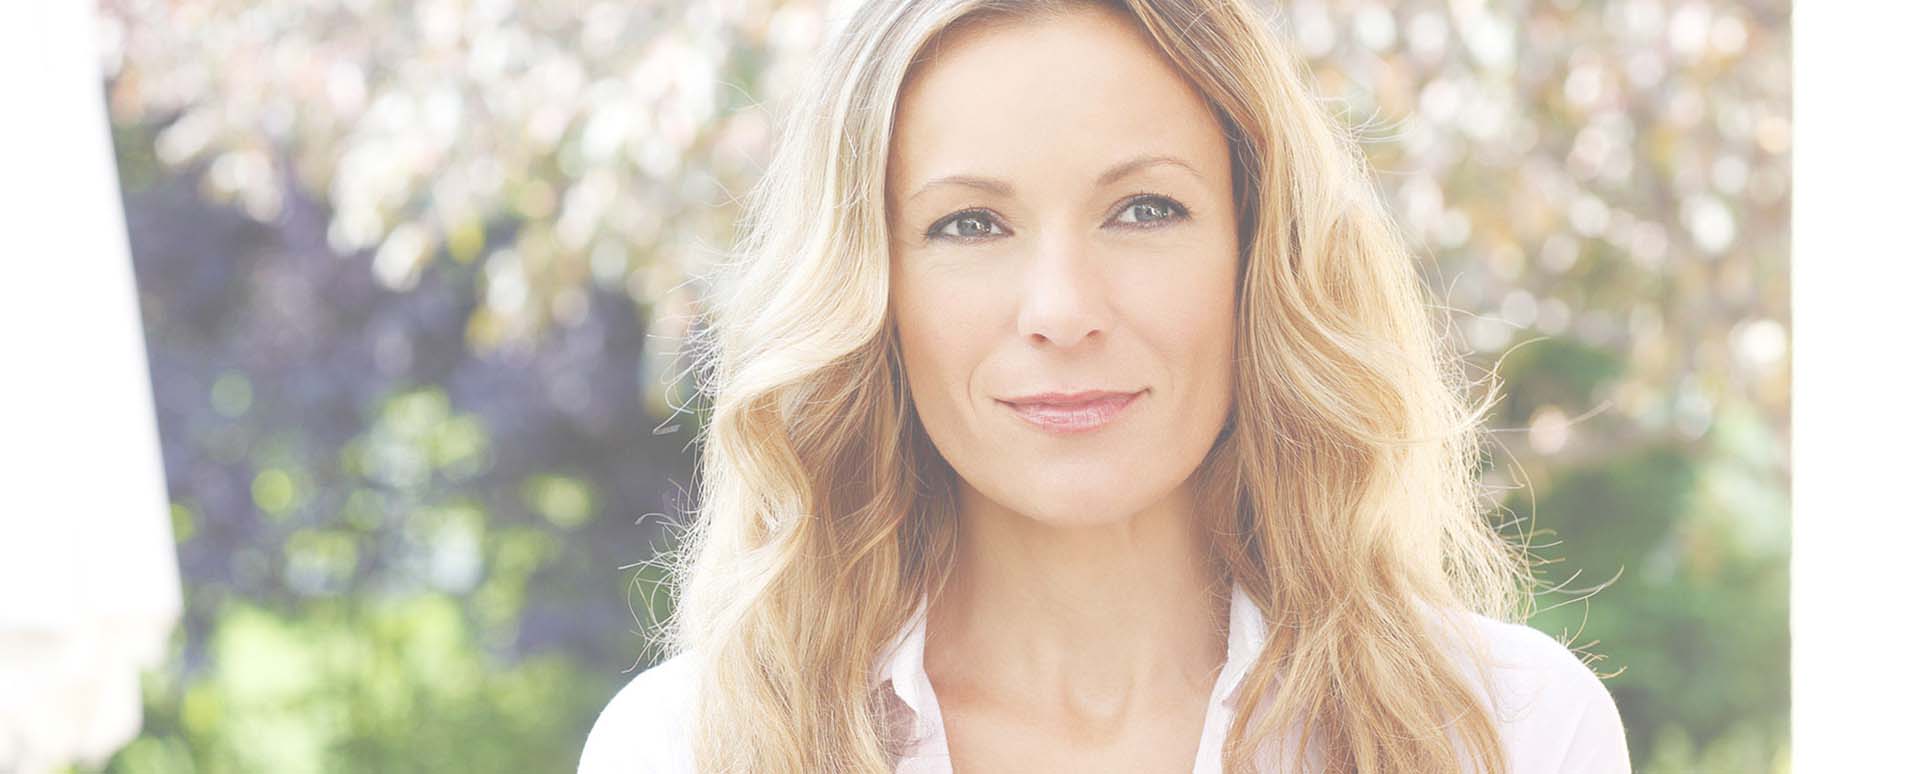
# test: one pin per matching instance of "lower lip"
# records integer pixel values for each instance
(1075, 418)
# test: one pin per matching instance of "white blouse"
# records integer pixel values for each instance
(1553, 714)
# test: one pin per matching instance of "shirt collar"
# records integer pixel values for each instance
(904, 661)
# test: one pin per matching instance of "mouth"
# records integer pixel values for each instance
(1072, 413)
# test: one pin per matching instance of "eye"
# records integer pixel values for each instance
(965, 226)
(1150, 209)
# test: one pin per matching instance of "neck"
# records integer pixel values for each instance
(1094, 622)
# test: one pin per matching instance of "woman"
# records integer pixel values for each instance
(1075, 409)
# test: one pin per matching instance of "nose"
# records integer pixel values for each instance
(1065, 295)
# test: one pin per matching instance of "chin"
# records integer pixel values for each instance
(1080, 506)
(1065, 494)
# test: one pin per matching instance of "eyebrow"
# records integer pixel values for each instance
(1000, 187)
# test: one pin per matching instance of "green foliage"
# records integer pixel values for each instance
(397, 684)
(1695, 624)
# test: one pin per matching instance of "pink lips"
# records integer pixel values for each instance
(1069, 414)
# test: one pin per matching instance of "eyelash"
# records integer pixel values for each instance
(1177, 212)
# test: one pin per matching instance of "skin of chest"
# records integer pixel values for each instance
(985, 738)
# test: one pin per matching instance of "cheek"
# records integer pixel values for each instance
(1188, 317)
(942, 337)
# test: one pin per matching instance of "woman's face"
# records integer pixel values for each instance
(1059, 204)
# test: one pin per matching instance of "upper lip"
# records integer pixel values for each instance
(1068, 398)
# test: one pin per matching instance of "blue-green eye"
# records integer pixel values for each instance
(1152, 209)
(972, 225)
(1147, 211)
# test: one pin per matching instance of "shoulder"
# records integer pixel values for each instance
(646, 726)
(1553, 713)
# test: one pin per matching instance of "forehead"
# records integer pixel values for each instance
(1058, 92)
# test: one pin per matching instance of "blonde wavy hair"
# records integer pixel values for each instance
(1343, 487)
